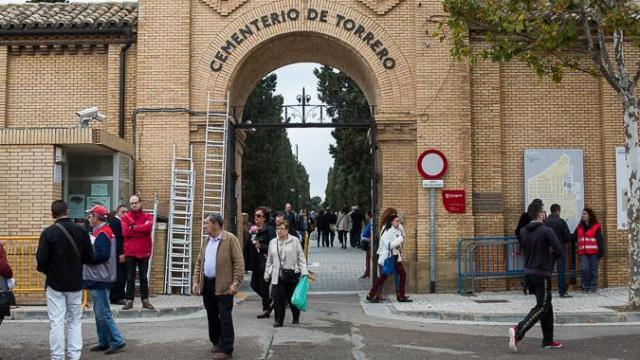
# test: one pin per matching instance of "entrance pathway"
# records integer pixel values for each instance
(337, 269)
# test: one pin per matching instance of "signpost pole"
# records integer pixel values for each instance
(432, 240)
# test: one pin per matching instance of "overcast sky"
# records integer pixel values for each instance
(313, 144)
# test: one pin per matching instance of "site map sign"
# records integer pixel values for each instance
(556, 177)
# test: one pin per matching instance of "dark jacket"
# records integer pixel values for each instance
(101, 274)
(57, 258)
(540, 247)
(116, 227)
(559, 227)
(324, 221)
(599, 237)
(356, 221)
(292, 219)
(255, 260)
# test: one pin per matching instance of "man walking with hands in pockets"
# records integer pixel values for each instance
(217, 275)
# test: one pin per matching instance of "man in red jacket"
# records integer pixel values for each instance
(136, 229)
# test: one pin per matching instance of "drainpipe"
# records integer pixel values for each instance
(123, 85)
(134, 126)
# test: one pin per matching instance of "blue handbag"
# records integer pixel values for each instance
(389, 266)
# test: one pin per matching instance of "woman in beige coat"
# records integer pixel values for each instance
(285, 264)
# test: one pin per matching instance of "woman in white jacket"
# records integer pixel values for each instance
(285, 264)
(391, 240)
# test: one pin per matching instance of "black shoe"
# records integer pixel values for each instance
(264, 315)
(277, 325)
(115, 349)
(372, 300)
(565, 295)
(404, 299)
(99, 348)
(295, 321)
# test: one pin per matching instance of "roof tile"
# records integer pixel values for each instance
(73, 15)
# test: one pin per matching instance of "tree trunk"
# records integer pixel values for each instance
(632, 197)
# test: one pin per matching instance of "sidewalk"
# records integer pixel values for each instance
(165, 306)
(507, 307)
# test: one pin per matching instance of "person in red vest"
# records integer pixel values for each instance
(136, 229)
(590, 249)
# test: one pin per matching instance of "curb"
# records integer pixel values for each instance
(26, 314)
(510, 318)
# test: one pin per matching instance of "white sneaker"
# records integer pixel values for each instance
(513, 342)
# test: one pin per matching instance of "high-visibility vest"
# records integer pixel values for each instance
(587, 242)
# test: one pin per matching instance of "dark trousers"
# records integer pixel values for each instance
(342, 237)
(402, 274)
(543, 311)
(219, 317)
(261, 288)
(561, 264)
(355, 239)
(319, 236)
(117, 290)
(325, 238)
(332, 235)
(367, 262)
(143, 266)
(282, 293)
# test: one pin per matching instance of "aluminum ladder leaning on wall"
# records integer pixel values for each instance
(178, 259)
(215, 157)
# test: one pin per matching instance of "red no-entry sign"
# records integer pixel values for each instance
(432, 164)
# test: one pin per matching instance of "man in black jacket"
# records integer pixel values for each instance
(561, 229)
(117, 294)
(540, 249)
(63, 248)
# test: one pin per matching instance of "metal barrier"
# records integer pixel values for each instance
(487, 257)
(21, 254)
(498, 257)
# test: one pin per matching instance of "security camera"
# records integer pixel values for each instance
(89, 114)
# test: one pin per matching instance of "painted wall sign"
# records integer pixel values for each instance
(350, 26)
(454, 201)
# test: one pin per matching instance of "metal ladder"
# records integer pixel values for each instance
(178, 269)
(215, 158)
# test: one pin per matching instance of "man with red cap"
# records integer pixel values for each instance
(136, 229)
(99, 277)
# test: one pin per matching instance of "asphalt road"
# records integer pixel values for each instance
(334, 328)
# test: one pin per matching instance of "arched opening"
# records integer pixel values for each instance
(331, 216)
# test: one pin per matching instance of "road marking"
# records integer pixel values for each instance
(358, 344)
(436, 350)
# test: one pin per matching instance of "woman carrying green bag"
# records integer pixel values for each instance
(285, 265)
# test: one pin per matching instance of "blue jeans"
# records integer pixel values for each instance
(589, 268)
(108, 333)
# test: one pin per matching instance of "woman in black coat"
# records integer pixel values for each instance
(256, 250)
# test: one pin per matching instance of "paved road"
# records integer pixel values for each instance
(334, 328)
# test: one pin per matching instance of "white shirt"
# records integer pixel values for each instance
(210, 256)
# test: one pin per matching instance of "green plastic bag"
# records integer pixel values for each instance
(299, 297)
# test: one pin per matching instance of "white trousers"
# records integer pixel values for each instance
(63, 306)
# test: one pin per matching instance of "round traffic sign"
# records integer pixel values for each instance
(432, 164)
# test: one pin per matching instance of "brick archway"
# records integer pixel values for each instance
(303, 40)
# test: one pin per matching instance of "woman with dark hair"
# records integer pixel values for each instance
(590, 248)
(256, 250)
(391, 240)
(6, 280)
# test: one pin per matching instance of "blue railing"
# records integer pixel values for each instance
(487, 257)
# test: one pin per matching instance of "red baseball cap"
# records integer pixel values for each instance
(98, 210)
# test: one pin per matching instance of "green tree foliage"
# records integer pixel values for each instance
(349, 180)
(554, 37)
(314, 203)
(269, 167)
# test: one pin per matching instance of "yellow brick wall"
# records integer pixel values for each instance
(47, 90)
(26, 188)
